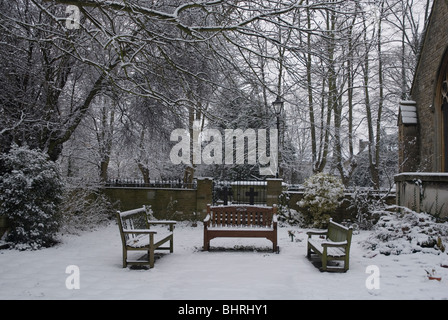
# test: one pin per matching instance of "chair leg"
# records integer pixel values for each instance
(151, 251)
(324, 261)
(206, 242)
(151, 258)
(125, 257)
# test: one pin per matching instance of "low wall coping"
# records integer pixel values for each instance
(423, 176)
(148, 188)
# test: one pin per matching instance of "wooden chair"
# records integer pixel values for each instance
(136, 235)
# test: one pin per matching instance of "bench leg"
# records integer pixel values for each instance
(346, 263)
(206, 241)
(151, 258)
(151, 251)
(125, 257)
(324, 259)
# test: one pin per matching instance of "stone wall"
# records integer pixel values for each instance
(166, 203)
(179, 204)
(423, 192)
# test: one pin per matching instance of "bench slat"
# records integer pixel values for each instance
(331, 251)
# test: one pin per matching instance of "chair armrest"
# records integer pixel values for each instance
(207, 221)
(274, 221)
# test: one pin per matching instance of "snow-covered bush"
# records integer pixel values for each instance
(84, 207)
(287, 214)
(30, 192)
(407, 232)
(367, 206)
(323, 194)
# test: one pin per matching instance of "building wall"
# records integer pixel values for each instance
(423, 192)
(425, 86)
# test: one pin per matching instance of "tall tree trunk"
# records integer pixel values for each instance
(373, 165)
(310, 88)
(142, 166)
(381, 95)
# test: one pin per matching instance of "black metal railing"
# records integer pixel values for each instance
(140, 183)
(239, 192)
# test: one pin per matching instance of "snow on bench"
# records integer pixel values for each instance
(239, 221)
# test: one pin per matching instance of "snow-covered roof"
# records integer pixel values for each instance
(408, 112)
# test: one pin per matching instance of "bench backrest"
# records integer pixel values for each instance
(131, 220)
(338, 233)
(241, 216)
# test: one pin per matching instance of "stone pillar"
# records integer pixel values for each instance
(204, 195)
(273, 191)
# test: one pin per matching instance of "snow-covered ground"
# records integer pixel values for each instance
(190, 273)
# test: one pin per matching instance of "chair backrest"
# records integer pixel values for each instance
(241, 215)
(131, 220)
(338, 233)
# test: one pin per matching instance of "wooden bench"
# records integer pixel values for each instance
(240, 221)
(136, 235)
(332, 244)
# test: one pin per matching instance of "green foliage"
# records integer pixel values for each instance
(323, 194)
(30, 192)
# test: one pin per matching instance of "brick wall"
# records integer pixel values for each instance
(425, 85)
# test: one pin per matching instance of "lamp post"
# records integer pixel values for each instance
(278, 106)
